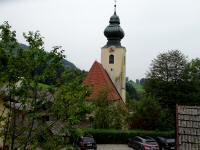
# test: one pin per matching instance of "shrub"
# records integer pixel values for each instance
(103, 136)
(109, 114)
(147, 114)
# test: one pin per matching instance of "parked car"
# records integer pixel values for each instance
(87, 142)
(143, 143)
(166, 144)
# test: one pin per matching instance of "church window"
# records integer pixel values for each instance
(111, 59)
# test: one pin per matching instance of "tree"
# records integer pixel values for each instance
(69, 105)
(146, 114)
(142, 81)
(165, 77)
(119, 115)
(102, 113)
(131, 91)
(9, 76)
(166, 82)
(33, 58)
(22, 71)
(168, 66)
(109, 114)
(137, 81)
(190, 91)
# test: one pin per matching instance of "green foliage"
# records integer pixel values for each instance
(71, 75)
(8, 58)
(47, 141)
(49, 62)
(119, 116)
(146, 114)
(134, 91)
(131, 91)
(165, 81)
(168, 66)
(69, 104)
(109, 114)
(172, 79)
(10, 73)
(166, 77)
(102, 114)
(76, 133)
(167, 120)
(71, 147)
(44, 87)
(106, 136)
(190, 88)
(138, 86)
(23, 71)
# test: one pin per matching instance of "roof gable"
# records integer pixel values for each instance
(99, 80)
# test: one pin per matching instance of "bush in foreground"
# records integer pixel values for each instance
(103, 136)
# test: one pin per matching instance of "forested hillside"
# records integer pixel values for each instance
(67, 64)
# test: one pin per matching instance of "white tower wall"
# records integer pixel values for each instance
(117, 70)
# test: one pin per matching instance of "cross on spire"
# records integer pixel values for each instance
(115, 6)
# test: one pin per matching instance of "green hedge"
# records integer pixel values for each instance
(106, 136)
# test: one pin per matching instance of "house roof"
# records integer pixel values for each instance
(98, 79)
(56, 127)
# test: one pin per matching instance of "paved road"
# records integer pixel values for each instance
(113, 147)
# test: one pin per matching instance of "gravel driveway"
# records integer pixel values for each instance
(113, 147)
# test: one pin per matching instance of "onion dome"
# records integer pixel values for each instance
(113, 32)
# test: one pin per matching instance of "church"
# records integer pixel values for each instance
(110, 74)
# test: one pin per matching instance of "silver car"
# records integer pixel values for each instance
(143, 143)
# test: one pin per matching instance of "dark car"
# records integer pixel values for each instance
(86, 143)
(166, 144)
(143, 143)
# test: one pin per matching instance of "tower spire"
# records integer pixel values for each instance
(113, 32)
(115, 6)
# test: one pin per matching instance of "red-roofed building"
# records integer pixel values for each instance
(110, 74)
(99, 80)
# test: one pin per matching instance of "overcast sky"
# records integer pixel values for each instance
(151, 27)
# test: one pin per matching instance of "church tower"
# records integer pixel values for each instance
(113, 55)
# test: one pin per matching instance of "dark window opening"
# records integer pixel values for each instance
(111, 59)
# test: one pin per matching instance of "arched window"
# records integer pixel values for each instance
(111, 59)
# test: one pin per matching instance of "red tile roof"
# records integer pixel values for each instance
(99, 80)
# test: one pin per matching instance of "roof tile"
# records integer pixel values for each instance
(98, 79)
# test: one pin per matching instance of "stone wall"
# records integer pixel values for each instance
(188, 127)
